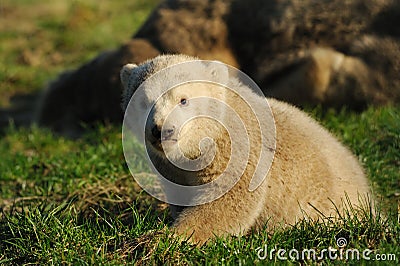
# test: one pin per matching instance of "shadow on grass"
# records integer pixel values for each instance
(20, 112)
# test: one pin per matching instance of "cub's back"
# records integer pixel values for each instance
(311, 167)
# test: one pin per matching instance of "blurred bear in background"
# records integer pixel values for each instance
(307, 52)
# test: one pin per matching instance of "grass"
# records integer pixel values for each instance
(39, 39)
(74, 201)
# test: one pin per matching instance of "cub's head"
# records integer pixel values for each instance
(200, 121)
(176, 109)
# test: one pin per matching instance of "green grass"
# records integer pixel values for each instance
(74, 201)
(67, 201)
(39, 39)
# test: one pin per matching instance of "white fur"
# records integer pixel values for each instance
(311, 169)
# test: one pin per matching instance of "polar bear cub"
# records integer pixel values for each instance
(312, 174)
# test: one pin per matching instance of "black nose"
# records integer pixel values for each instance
(156, 132)
(167, 133)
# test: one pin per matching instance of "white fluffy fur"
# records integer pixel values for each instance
(311, 170)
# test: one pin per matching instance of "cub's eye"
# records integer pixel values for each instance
(184, 101)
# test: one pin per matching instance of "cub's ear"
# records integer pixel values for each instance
(125, 74)
(219, 72)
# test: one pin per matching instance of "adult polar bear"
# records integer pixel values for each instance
(311, 173)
